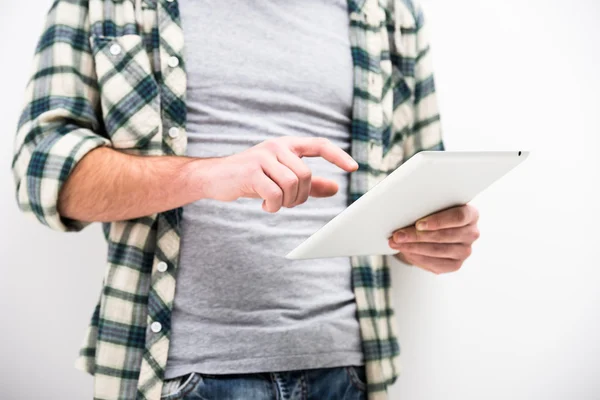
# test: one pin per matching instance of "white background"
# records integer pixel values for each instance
(520, 321)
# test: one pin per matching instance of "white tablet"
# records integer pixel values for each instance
(428, 182)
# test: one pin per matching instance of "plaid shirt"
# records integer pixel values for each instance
(111, 73)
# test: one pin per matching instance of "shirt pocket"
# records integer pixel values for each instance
(129, 92)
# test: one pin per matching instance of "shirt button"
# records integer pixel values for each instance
(115, 49)
(156, 327)
(162, 266)
(173, 62)
(173, 132)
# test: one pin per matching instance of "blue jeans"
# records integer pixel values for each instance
(341, 383)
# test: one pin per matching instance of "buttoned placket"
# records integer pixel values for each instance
(373, 16)
(162, 280)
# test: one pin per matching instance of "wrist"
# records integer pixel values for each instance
(200, 176)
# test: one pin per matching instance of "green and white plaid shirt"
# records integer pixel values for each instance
(111, 73)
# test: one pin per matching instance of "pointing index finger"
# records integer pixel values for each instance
(321, 147)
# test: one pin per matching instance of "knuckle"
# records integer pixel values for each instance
(301, 201)
(459, 214)
(467, 251)
(305, 174)
(303, 195)
(420, 236)
(266, 143)
(439, 248)
(456, 265)
(275, 194)
(256, 171)
(272, 145)
(446, 236)
(264, 154)
(476, 234)
(322, 141)
(432, 236)
(289, 182)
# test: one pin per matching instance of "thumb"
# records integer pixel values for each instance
(321, 187)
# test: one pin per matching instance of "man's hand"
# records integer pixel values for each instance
(274, 171)
(439, 243)
(108, 185)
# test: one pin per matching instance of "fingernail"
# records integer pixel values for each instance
(399, 236)
(421, 225)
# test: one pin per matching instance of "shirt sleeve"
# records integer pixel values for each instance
(426, 133)
(60, 120)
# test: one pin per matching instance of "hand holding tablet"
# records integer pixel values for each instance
(439, 243)
(429, 182)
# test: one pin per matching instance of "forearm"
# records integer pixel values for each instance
(108, 185)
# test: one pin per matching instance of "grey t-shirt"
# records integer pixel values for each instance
(260, 70)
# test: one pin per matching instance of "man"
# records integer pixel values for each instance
(192, 158)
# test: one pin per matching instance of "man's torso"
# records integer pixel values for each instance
(240, 306)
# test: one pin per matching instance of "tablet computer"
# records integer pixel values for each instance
(428, 182)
